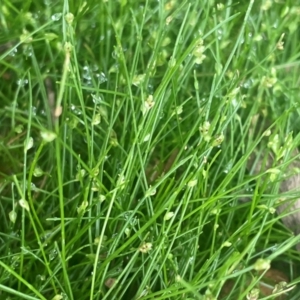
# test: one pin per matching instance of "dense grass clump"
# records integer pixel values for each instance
(130, 132)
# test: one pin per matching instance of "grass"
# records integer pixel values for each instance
(126, 132)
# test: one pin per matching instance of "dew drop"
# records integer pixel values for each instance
(14, 263)
(228, 167)
(274, 248)
(13, 52)
(220, 34)
(64, 296)
(191, 260)
(56, 17)
(33, 110)
(95, 68)
(22, 82)
(33, 186)
(150, 89)
(86, 73)
(46, 236)
(40, 277)
(27, 51)
(37, 15)
(101, 77)
(248, 83)
(75, 110)
(52, 254)
(97, 99)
